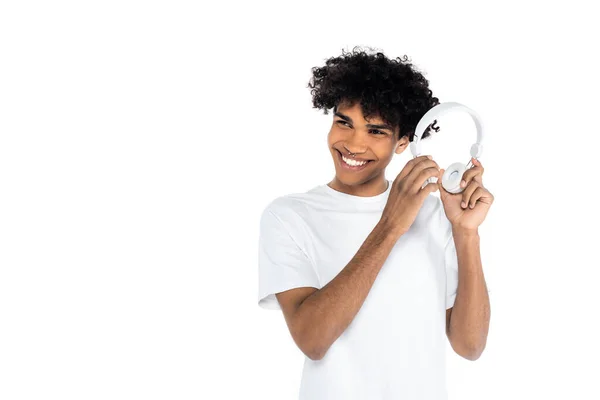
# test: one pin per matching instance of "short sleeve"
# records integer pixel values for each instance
(282, 264)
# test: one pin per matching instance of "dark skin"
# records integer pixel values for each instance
(467, 322)
(351, 132)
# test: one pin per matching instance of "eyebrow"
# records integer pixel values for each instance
(375, 126)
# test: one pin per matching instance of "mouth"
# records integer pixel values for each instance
(349, 167)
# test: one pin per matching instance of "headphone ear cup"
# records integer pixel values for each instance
(452, 177)
(413, 148)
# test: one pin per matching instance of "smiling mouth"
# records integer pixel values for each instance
(351, 167)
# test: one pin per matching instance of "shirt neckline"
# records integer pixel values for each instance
(358, 199)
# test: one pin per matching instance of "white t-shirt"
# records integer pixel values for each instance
(395, 346)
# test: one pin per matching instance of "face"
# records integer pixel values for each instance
(372, 141)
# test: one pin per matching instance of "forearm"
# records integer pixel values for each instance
(326, 313)
(470, 318)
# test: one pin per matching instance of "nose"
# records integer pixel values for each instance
(355, 144)
(353, 149)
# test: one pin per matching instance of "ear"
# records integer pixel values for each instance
(401, 145)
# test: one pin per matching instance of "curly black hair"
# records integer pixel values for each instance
(392, 89)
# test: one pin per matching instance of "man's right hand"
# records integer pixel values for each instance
(406, 196)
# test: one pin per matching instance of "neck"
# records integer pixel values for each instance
(370, 188)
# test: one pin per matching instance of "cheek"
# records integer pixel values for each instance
(384, 152)
(333, 137)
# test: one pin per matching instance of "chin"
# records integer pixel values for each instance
(346, 180)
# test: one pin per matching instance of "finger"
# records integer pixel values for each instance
(416, 174)
(468, 192)
(443, 192)
(485, 197)
(423, 175)
(429, 188)
(474, 173)
(410, 164)
(477, 194)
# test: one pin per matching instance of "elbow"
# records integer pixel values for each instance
(310, 340)
(314, 352)
(315, 356)
(473, 354)
(313, 348)
(467, 351)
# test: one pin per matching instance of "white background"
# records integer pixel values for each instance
(141, 140)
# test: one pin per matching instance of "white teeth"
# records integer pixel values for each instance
(353, 162)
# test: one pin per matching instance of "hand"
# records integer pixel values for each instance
(406, 196)
(476, 198)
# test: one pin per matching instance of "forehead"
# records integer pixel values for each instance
(355, 111)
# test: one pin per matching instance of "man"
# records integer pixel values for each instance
(372, 275)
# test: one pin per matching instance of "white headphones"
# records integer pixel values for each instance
(453, 174)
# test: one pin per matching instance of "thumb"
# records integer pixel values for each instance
(439, 182)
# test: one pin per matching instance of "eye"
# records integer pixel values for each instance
(344, 123)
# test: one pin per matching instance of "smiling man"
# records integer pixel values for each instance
(373, 275)
(360, 170)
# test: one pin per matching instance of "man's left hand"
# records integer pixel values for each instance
(475, 197)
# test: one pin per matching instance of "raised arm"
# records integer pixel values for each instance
(317, 317)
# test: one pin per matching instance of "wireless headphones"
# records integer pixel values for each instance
(453, 174)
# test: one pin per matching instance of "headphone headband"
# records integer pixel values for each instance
(438, 111)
